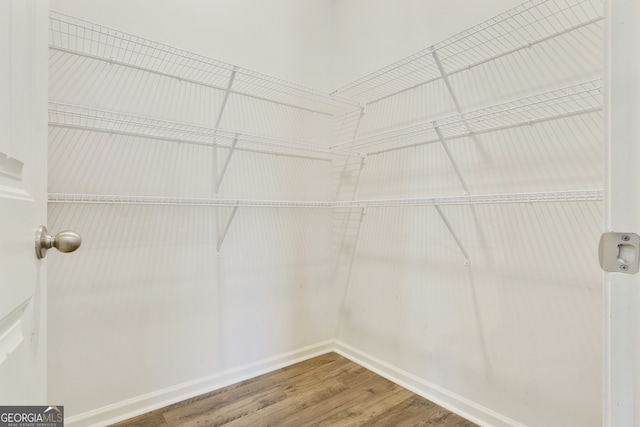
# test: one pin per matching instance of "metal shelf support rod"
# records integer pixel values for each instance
(226, 163)
(226, 96)
(447, 83)
(357, 127)
(443, 73)
(453, 234)
(226, 229)
(451, 158)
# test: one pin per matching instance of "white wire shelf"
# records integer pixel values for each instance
(522, 27)
(80, 37)
(576, 99)
(173, 201)
(555, 104)
(86, 118)
(485, 199)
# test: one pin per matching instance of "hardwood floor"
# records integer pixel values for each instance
(328, 390)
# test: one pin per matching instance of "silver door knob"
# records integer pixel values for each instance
(65, 241)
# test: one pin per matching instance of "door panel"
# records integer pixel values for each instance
(23, 156)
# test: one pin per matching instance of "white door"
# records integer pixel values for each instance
(622, 201)
(23, 204)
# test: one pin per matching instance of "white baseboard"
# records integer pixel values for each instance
(142, 404)
(457, 404)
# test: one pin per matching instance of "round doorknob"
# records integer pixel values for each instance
(65, 241)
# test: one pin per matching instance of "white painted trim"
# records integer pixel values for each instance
(621, 329)
(151, 401)
(148, 402)
(453, 402)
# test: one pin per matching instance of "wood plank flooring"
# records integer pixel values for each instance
(328, 390)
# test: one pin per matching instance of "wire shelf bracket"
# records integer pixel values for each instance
(452, 93)
(227, 91)
(453, 234)
(232, 148)
(363, 111)
(465, 122)
(445, 78)
(452, 159)
(225, 230)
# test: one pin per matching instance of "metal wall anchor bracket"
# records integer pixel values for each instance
(619, 252)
